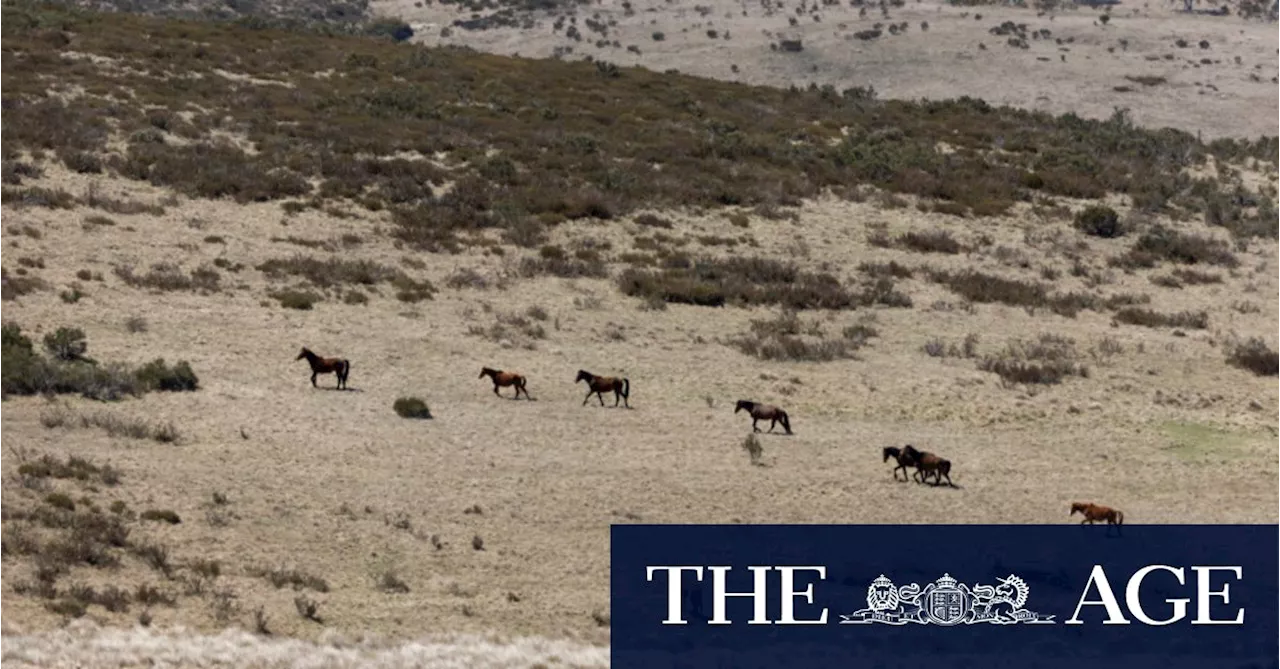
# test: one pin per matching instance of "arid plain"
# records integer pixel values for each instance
(480, 537)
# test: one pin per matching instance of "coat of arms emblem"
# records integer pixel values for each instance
(946, 602)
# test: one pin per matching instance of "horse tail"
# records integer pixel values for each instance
(626, 388)
(782, 417)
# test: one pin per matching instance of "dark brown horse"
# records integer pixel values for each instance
(503, 379)
(598, 385)
(767, 412)
(1094, 513)
(340, 367)
(927, 463)
(903, 459)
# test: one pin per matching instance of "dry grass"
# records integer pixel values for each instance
(549, 204)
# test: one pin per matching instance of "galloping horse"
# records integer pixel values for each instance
(1095, 513)
(597, 385)
(927, 463)
(502, 379)
(904, 460)
(340, 367)
(767, 412)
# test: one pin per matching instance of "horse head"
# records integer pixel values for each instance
(744, 404)
(1078, 506)
(584, 375)
(485, 371)
(305, 352)
(891, 451)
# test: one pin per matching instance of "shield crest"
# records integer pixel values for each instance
(947, 606)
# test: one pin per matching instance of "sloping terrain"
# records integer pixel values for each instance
(1204, 73)
(1067, 309)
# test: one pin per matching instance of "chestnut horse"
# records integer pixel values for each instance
(340, 367)
(1096, 513)
(927, 463)
(598, 385)
(904, 460)
(767, 412)
(503, 379)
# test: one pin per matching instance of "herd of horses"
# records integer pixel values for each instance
(927, 465)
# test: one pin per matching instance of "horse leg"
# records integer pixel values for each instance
(313, 380)
(495, 390)
(753, 424)
(587, 398)
(617, 397)
(600, 396)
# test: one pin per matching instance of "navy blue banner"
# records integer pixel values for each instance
(981, 596)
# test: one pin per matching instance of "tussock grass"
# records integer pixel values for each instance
(289, 576)
(170, 277)
(787, 337)
(1046, 360)
(112, 424)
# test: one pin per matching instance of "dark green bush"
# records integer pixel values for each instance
(1099, 221)
(411, 407)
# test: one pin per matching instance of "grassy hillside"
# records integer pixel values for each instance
(216, 110)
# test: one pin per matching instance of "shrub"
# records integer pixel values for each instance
(738, 280)
(1047, 360)
(296, 299)
(932, 241)
(411, 407)
(161, 515)
(17, 286)
(25, 372)
(67, 344)
(155, 375)
(788, 338)
(1165, 244)
(987, 288)
(1153, 319)
(1254, 355)
(170, 277)
(751, 444)
(1099, 221)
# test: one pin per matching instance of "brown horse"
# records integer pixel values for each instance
(598, 385)
(904, 460)
(927, 463)
(767, 412)
(340, 367)
(503, 379)
(1094, 513)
